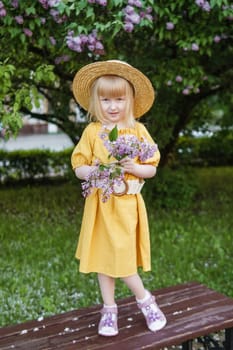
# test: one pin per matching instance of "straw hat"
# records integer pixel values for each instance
(143, 89)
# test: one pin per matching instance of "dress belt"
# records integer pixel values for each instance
(129, 187)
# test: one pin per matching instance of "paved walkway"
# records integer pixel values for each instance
(54, 142)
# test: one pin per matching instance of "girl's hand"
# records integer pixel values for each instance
(138, 170)
(128, 165)
(82, 171)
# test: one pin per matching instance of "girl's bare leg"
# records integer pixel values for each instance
(135, 284)
(155, 318)
(107, 287)
(108, 322)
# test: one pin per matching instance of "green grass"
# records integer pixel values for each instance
(38, 235)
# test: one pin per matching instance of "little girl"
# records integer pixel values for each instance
(114, 238)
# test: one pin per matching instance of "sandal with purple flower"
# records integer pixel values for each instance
(155, 318)
(108, 322)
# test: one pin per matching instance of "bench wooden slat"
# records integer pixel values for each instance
(192, 310)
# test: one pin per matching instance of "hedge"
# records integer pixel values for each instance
(205, 151)
(34, 165)
(40, 164)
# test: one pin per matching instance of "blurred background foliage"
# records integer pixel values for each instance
(44, 43)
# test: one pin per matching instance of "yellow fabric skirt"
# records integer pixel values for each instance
(114, 237)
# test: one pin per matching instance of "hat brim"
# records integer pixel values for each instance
(143, 90)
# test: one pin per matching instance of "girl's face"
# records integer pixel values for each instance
(112, 101)
(113, 108)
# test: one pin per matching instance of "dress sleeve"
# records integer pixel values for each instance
(83, 152)
(143, 133)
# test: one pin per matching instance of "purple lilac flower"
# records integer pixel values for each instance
(101, 2)
(19, 19)
(149, 17)
(83, 38)
(132, 18)
(44, 3)
(42, 20)
(170, 26)
(186, 91)
(195, 47)
(80, 42)
(27, 32)
(217, 38)
(179, 78)
(204, 5)
(91, 47)
(2, 10)
(73, 43)
(149, 9)
(146, 150)
(55, 14)
(91, 39)
(52, 40)
(137, 3)
(99, 46)
(200, 2)
(129, 146)
(53, 3)
(128, 27)
(124, 146)
(129, 10)
(15, 4)
(103, 177)
(145, 15)
(61, 59)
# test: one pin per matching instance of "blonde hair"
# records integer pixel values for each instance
(111, 86)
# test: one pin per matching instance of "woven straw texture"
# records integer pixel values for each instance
(143, 89)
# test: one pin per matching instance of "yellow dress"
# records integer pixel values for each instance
(114, 238)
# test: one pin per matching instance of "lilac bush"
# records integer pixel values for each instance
(187, 39)
(132, 15)
(81, 42)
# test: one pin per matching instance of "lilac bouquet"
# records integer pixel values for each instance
(110, 176)
(127, 146)
(105, 177)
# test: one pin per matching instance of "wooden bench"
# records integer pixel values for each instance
(192, 311)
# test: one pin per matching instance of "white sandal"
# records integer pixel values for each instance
(155, 318)
(108, 322)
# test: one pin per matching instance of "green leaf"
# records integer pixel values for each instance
(113, 134)
(102, 167)
(30, 10)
